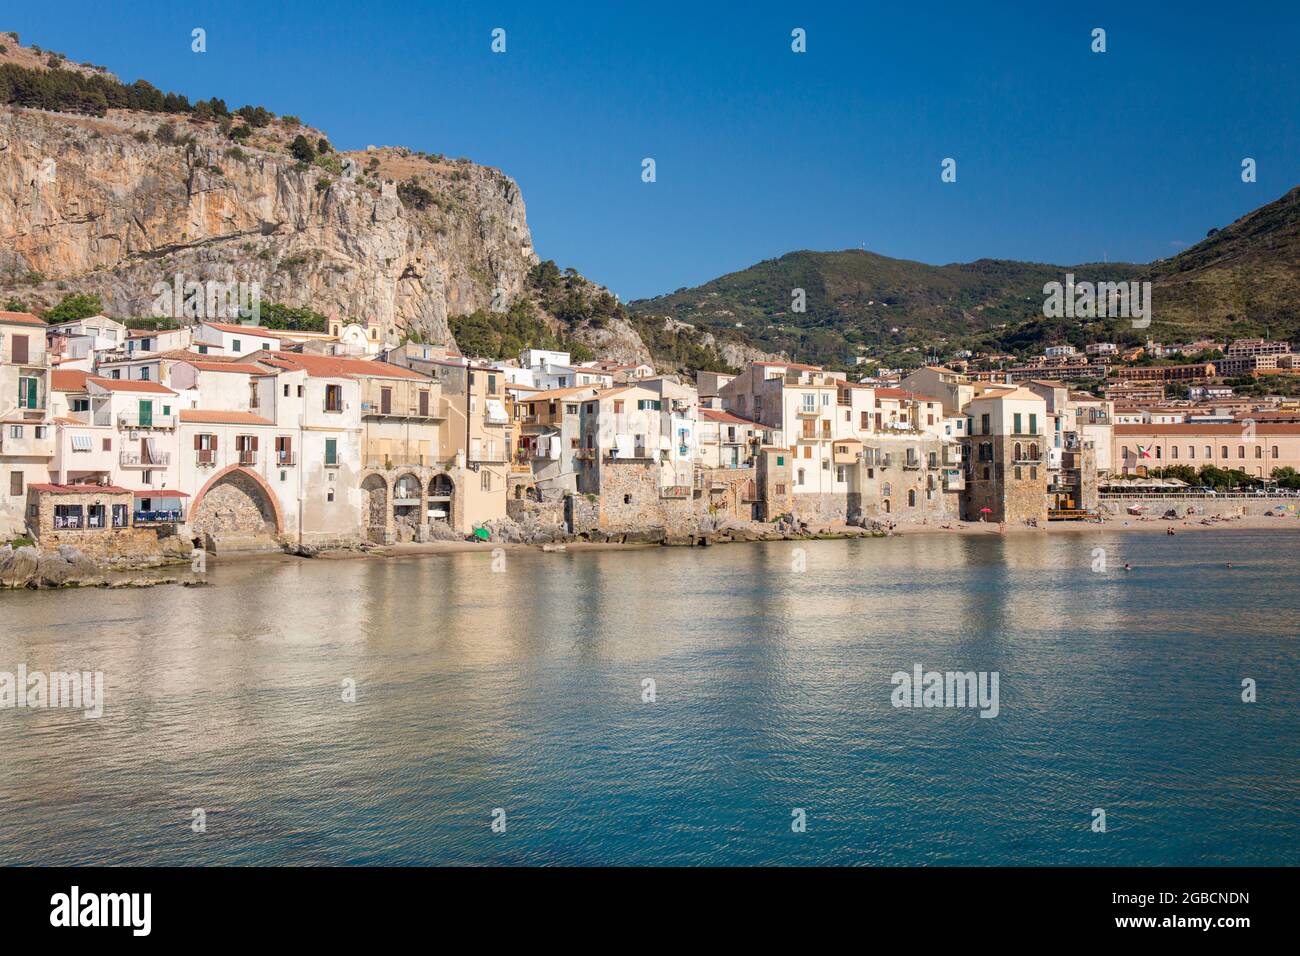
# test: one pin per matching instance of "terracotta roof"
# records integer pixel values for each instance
(907, 393)
(21, 318)
(160, 493)
(81, 489)
(329, 366)
(130, 385)
(558, 393)
(718, 415)
(71, 380)
(149, 333)
(1194, 428)
(212, 416)
(244, 329)
(238, 367)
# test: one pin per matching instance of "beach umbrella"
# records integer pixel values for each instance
(986, 511)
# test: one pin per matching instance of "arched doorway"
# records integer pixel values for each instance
(442, 499)
(235, 503)
(406, 506)
(375, 490)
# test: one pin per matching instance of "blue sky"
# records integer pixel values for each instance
(1063, 155)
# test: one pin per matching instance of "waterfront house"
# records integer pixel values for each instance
(26, 436)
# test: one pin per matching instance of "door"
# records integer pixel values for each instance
(146, 413)
(385, 401)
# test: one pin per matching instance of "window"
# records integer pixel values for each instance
(984, 424)
(235, 346)
(800, 478)
(1191, 451)
(266, 346)
(1017, 472)
(780, 460)
(28, 391)
(841, 474)
(1274, 450)
(485, 480)
(911, 498)
(885, 489)
(333, 398)
(19, 353)
(1033, 423)
(16, 483)
(809, 402)
(331, 451)
(15, 431)
(1259, 450)
(203, 350)
(1209, 451)
(107, 444)
(1173, 451)
(1241, 451)
(286, 389)
(1223, 452)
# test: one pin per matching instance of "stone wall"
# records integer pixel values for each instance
(1202, 507)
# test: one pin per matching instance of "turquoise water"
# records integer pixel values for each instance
(523, 691)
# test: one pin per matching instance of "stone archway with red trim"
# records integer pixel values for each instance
(236, 501)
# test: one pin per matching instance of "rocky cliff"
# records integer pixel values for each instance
(114, 204)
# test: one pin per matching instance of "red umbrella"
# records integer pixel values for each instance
(986, 511)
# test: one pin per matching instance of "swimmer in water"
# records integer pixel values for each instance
(1129, 567)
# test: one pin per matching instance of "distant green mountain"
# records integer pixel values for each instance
(1242, 280)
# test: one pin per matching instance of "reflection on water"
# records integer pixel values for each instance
(523, 690)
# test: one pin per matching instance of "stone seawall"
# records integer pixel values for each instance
(1202, 507)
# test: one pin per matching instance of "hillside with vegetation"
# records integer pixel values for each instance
(1242, 280)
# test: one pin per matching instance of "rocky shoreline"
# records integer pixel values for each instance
(66, 567)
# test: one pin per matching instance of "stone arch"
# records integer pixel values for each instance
(236, 501)
(442, 497)
(375, 491)
(408, 506)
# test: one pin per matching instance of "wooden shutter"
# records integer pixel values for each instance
(198, 442)
(20, 355)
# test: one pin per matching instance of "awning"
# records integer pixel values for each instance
(81, 443)
(150, 493)
(496, 412)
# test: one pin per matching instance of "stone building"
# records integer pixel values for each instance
(1006, 464)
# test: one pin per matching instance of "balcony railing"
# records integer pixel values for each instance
(205, 457)
(132, 419)
(247, 457)
(285, 459)
(160, 460)
(170, 516)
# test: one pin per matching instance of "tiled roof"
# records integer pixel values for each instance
(82, 489)
(160, 493)
(71, 380)
(21, 318)
(130, 385)
(908, 393)
(718, 415)
(1193, 428)
(329, 366)
(238, 367)
(212, 416)
(244, 329)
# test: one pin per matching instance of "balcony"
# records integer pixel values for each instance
(912, 464)
(159, 460)
(286, 459)
(247, 458)
(205, 457)
(805, 412)
(953, 479)
(395, 460)
(135, 421)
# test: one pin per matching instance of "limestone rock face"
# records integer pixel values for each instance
(104, 205)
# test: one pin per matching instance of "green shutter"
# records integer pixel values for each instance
(1016, 427)
(331, 451)
(1033, 424)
